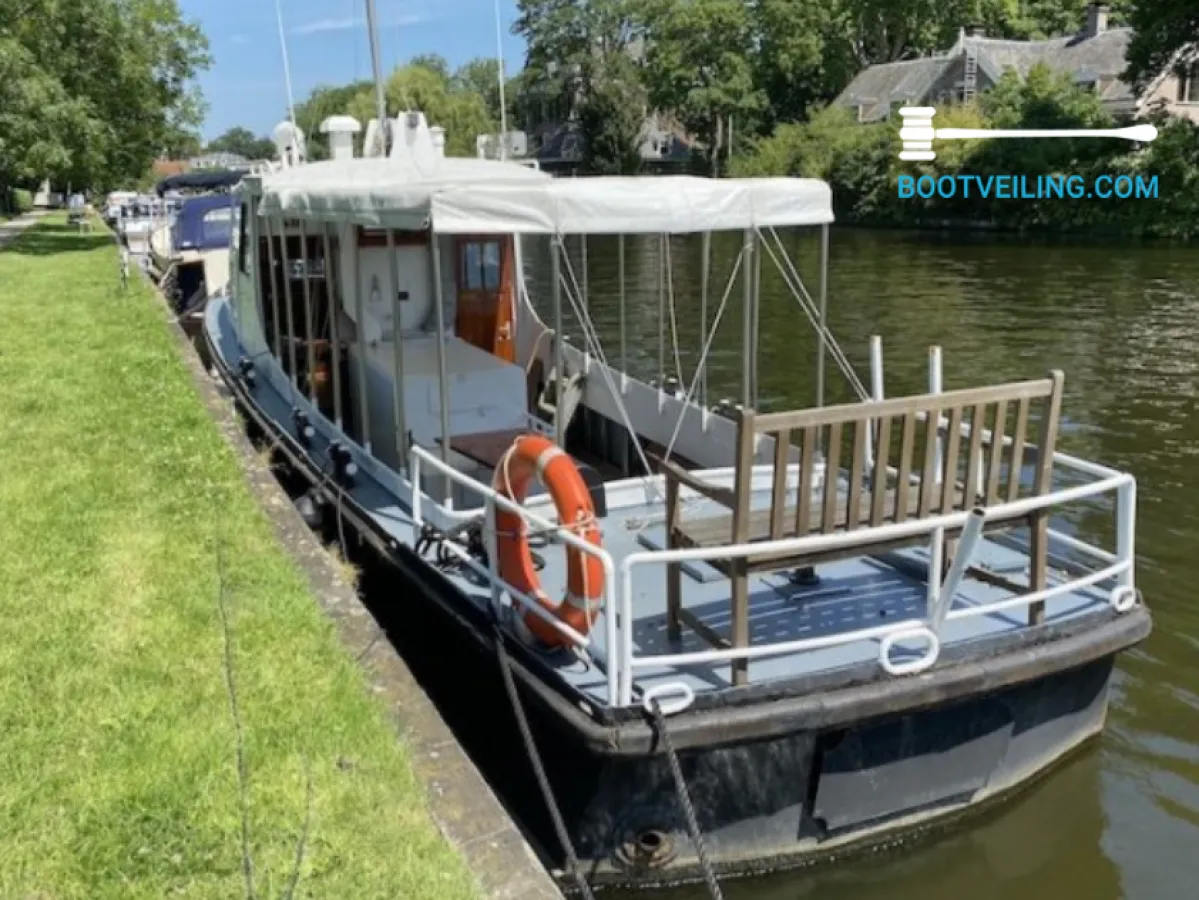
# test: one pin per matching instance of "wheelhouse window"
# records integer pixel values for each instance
(481, 266)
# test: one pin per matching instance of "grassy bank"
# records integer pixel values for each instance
(125, 522)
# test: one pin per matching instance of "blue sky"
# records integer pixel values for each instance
(327, 44)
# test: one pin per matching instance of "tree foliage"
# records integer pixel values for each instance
(91, 91)
(861, 163)
(1164, 33)
(462, 113)
(243, 142)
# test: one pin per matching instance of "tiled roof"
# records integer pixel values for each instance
(1089, 59)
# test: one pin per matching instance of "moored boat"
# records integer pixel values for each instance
(850, 620)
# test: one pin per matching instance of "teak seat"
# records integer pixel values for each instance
(976, 467)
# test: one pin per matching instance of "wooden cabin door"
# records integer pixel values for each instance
(486, 311)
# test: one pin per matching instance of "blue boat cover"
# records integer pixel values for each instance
(205, 223)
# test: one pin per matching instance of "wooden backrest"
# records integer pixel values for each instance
(976, 466)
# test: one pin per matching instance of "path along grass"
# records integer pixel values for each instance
(119, 506)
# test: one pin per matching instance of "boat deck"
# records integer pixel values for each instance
(851, 594)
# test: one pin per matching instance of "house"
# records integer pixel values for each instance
(558, 148)
(1094, 58)
(165, 168)
(222, 160)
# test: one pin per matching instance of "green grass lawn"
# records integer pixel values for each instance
(120, 506)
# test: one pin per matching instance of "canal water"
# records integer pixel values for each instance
(1122, 321)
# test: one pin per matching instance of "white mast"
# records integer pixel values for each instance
(291, 103)
(377, 66)
(499, 58)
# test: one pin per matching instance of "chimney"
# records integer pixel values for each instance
(1096, 19)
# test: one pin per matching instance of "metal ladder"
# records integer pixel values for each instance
(970, 74)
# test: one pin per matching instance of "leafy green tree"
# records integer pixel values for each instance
(323, 102)
(698, 66)
(481, 76)
(611, 116)
(118, 78)
(243, 142)
(584, 65)
(462, 114)
(1164, 32)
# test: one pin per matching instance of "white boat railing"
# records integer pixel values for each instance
(621, 662)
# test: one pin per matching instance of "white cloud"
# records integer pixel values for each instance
(322, 26)
(239, 39)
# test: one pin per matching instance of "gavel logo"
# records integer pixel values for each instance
(917, 133)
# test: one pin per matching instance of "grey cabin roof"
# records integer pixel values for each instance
(1088, 58)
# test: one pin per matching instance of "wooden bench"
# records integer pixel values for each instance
(906, 482)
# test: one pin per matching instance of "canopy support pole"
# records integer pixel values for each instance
(705, 276)
(756, 347)
(747, 313)
(360, 332)
(309, 356)
(559, 357)
(661, 315)
(333, 304)
(275, 323)
(624, 345)
(443, 380)
(287, 298)
(397, 342)
(822, 326)
(583, 263)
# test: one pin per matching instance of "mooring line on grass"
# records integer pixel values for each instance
(243, 772)
(243, 768)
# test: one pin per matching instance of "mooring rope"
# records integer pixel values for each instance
(547, 792)
(680, 786)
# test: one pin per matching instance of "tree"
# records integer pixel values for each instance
(323, 102)
(797, 61)
(698, 66)
(462, 114)
(611, 117)
(481, 76)
(242, 142)
(118, 78)
(1164, 31)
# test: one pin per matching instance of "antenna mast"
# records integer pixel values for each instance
(377, 66)
(499, 58)
(291, 103)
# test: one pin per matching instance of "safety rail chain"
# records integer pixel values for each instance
(620, 664)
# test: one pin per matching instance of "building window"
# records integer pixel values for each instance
(1188, 83)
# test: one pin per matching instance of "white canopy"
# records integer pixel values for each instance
(651, 205)
(470, 196)
(378, 192)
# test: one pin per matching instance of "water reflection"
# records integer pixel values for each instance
(1120, 321)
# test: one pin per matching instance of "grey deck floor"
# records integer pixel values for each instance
(852, 594)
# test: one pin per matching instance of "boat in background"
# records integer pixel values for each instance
(811, 628)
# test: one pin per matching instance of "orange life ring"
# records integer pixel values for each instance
(536, 456)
